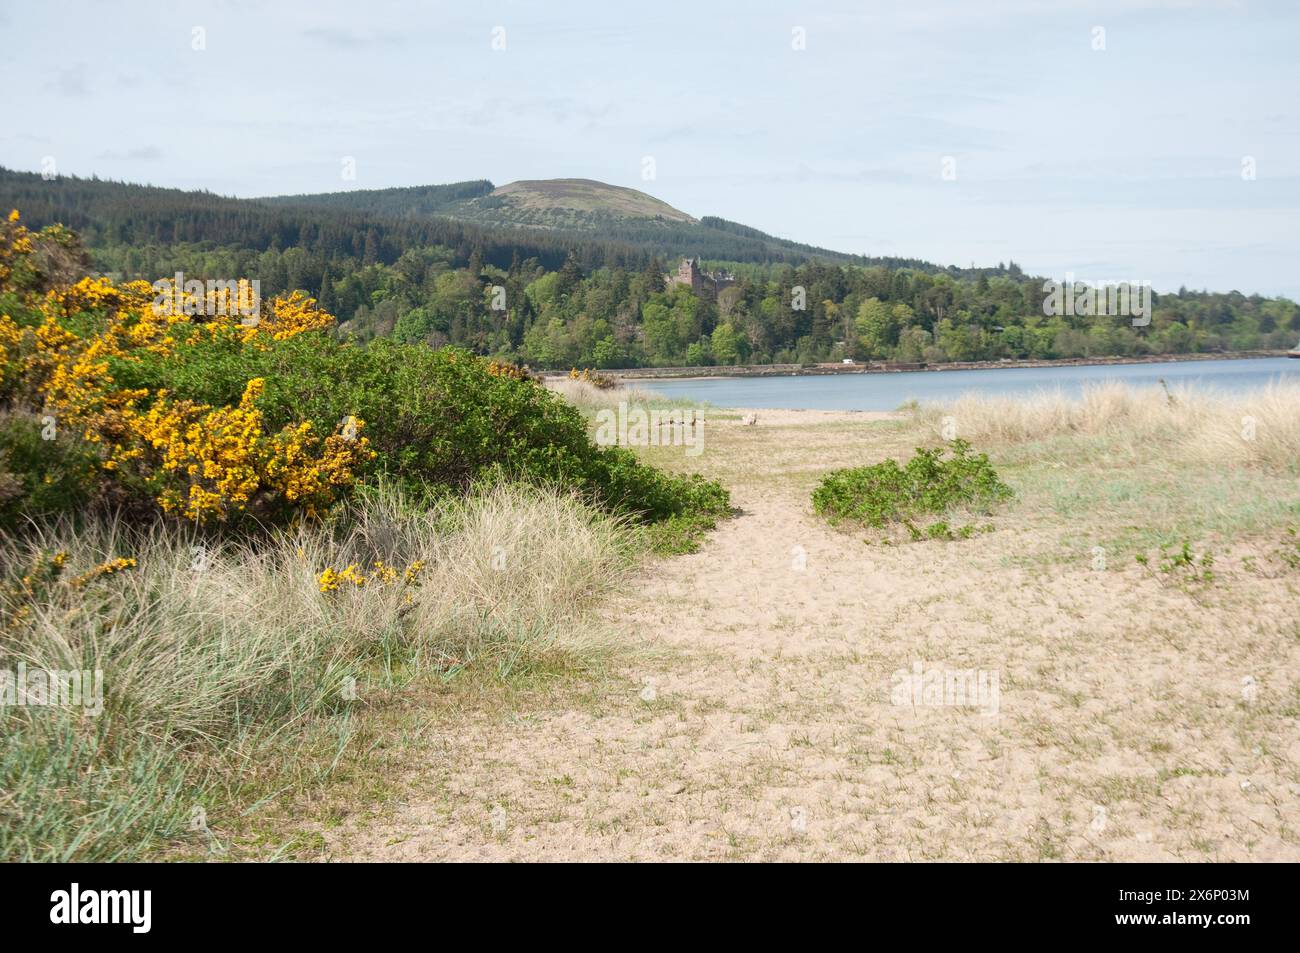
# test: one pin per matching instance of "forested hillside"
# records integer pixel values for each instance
(575, 210)
(590, 291)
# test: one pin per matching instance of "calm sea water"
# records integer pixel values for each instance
(887, 391)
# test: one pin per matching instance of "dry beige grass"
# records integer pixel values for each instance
(525, 565)
(513, 564)
(1260, 428)
(588, 396)
(216, 662)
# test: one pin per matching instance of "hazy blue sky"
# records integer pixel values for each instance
(1117, 163)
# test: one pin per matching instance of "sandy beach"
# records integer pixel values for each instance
(756, 716)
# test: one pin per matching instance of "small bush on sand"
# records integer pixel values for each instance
(1182, 565)
(887, 494)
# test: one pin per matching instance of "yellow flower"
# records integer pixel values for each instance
(104, 569)
(205, 462)
(353, 575)
(329, 580)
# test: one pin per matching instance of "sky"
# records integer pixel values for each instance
(1154, 141)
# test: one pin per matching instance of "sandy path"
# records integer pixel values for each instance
(764, 728)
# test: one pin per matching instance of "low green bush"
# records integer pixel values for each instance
(437, 420)
(44, 470)
(930, 484)
(434, 422)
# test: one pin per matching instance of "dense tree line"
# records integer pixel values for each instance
(623, 317)
(616, 318)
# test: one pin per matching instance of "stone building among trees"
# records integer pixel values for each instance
(700, 281)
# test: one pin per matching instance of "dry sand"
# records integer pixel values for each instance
(1134, 720)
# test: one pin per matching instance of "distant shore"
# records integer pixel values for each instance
(882, 367)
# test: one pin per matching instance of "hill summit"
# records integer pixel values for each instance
(584, 196)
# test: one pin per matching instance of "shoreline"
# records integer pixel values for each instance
(815, 370)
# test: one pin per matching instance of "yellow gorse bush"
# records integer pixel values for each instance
(294, 315)
(381, 574)
(11, 336)
(223, 456)
(595, 378)
(109, 568)
(15, 247)
(506, 369)
(18, 597)
(202, 462)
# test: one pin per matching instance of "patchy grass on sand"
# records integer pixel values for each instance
(1143, 712)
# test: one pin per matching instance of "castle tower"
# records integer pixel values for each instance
(688, 273)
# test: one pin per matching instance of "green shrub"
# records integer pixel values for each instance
(887, 494)
(1183, 565)
(438, 420)
(42, 477)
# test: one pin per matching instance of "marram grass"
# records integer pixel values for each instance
(1258, 428)
(220, 661)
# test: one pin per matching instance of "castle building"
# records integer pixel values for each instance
(700, 281)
